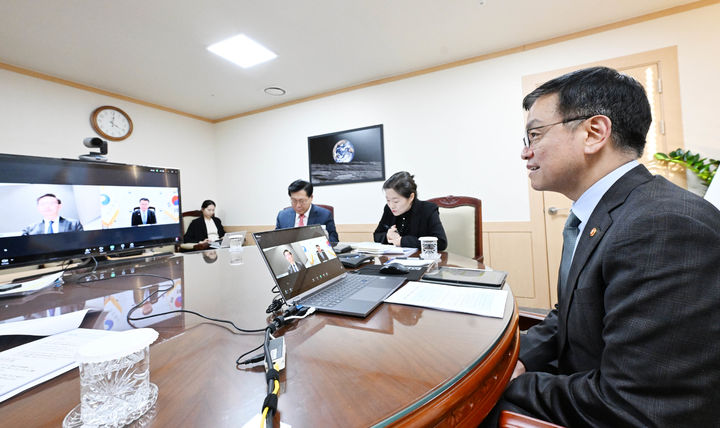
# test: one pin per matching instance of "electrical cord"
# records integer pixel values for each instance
(129, 317)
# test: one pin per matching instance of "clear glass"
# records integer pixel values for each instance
(116, 392)
(236, 243)
(429, 248)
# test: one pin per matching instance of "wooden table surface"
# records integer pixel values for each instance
(400, 366)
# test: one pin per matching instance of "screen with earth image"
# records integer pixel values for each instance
(352, 156)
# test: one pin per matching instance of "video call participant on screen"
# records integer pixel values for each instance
(48, 205)
(405, 218)
(293, 266)
(205, 229)
(303, 212)
(321, 254)
(143, 214)
(635, 337)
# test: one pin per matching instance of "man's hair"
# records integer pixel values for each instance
(602, 91)
(144, 199)
(299, 185)
(287, 251)
(402, 182)
(49, 195)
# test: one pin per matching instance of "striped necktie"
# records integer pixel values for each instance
(50, 229)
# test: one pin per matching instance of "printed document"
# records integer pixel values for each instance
(469, 300)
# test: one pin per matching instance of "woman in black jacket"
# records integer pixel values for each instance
(205, 229)
(406, 218)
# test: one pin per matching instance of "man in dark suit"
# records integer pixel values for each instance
(635, 337)
(293, 266)
(303, 212)
(321, 254)
(49, 206)
(143, 215)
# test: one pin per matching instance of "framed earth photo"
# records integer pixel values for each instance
(352, 156)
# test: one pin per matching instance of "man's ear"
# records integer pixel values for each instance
(599, 129)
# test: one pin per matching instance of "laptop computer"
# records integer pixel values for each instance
(225, 242)
(308, 272)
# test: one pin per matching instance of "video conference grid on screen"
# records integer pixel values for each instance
(60, 208)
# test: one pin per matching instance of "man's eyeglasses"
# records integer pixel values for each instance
(532, 137)
(299, 201)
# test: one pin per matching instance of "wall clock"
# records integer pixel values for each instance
(111, 123)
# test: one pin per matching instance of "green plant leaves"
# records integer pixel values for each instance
(704, 168)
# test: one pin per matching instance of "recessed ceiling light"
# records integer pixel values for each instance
(242, 50)
(275, 91)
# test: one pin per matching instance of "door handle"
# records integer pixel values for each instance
(556, 210)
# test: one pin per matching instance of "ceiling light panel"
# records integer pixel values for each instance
(242, 51)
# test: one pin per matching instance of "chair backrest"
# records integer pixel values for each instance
(149, 208)
(329, 208)
(461, 217)
(188, 217)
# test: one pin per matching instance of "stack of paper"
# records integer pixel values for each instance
(469, 300)
(376, 248)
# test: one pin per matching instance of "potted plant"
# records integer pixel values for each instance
(703, 168)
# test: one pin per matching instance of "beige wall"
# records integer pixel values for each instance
(457, 130)
(42, 118)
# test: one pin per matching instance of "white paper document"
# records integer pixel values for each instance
(378, 248)
(28, 365)
(32, 286)
(469, 300)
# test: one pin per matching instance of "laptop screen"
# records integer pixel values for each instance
(300, 258)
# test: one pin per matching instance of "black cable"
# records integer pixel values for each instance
(129, 319)
(271, 376)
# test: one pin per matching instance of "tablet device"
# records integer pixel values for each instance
(467, 277)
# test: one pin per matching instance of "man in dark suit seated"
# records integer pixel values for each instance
(48, 206)
(303, 212)
(143, 215)
(634, 340)
(293, 266)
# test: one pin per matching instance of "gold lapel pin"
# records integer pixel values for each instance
(593, 232)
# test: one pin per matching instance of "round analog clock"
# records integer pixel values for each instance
(111, 122)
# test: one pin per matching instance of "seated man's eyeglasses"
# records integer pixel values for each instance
(532, 136)
(302, 201)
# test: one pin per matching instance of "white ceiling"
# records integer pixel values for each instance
(154, 50)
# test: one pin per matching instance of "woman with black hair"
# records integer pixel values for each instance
(406, 218)
(205, 229)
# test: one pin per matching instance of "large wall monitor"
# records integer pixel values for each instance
(56, 209)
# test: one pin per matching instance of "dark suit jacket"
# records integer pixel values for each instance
(322, 256)
(424, 221)
(299, 267)
(197, 231)
(635, 341)
(65, 225)
(318, 215)
(137, 218)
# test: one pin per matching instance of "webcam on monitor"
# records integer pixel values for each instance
(95, 142)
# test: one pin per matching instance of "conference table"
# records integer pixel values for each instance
(400, 366)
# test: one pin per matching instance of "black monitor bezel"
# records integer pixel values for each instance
(116, 171)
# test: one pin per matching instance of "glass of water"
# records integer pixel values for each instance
(115, 386)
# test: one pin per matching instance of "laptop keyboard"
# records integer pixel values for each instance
(336, 293)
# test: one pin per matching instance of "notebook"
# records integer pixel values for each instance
(308, 272)
(225, 242)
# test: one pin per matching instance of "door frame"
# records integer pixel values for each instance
(667, 64)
